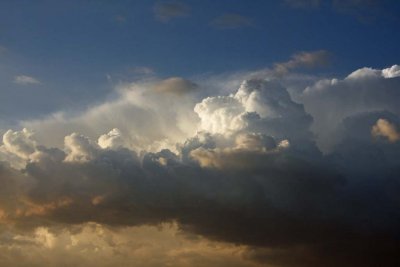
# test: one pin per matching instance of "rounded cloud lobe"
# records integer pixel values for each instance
(244, 169)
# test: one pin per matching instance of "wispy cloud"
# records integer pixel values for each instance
(142, 70)
(165, 11)
(26, 80)
(231, 21)
(303, 59)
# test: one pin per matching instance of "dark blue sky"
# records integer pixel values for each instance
(71, 46)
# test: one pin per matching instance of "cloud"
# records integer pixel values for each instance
(175, 85)
(113, 139)
(303, 59)
(391, 72)
(79, 148)
(386, 129)
(104, 246)
(231, 21)
(239, 175)
(160, 114)
(165, 11)
(330, 101)
(26, 80)
(19, 143)
(366, 73)
(258, 105)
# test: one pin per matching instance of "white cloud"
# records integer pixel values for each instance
(365, 73)
(150, 115)
(26, 80)
(221, 114)
(330, 101)
(392, 72)
(19, 143)
(79, 148)
(112, 140)
(258, 105)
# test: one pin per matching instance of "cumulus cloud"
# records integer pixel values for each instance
(258, 105)
(330, 101)
(112, 139)
(231, 21)
(240, 172)
(392, 72)
(160, 114)
(26, 80)
(165, 11)
(79, 148)
(365, 73)
(19, 143)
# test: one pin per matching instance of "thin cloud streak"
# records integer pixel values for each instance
(26, 80)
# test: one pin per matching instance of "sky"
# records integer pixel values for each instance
(199, 133)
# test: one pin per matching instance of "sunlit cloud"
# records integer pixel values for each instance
(385, 129)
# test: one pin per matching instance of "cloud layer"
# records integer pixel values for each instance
(267, 176)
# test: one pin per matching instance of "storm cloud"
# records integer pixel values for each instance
(306, 182)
